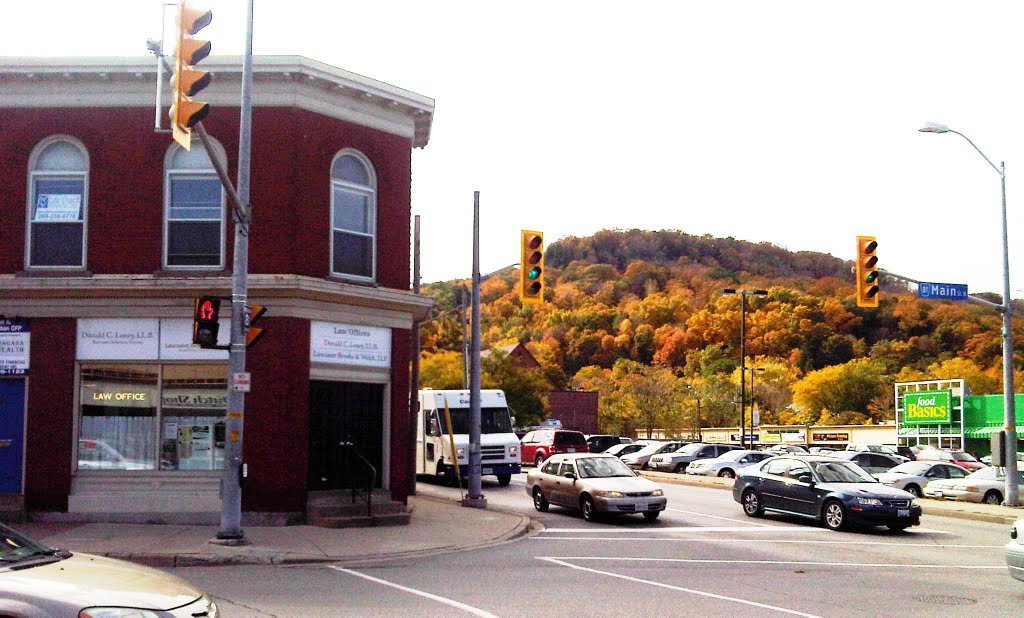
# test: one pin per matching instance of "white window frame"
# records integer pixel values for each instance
(371, 193)
(33, 174)
(170, 171)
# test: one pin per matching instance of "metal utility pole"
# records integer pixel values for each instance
(463, 293)
(414, 377)
(743, 358)
(475, 498)
(231, 489)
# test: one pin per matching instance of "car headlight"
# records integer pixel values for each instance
(460, 453)
(609, 494)
(116, 612)
(513, 450)
(1013, 532)
(695, 465)
(658, 492)
(869, 501)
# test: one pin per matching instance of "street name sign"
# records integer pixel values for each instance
(927, 408)
(945, 291)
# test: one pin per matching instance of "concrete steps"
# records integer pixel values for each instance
(335, 509)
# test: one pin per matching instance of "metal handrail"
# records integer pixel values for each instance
(371, 481)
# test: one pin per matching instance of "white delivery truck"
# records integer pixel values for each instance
(499, 446)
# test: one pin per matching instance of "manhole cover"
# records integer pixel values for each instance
(940, 599)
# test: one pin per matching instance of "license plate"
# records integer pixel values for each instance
(639, 507)
(488, 471)
(938, 494)
(571, 450)
(903, 512)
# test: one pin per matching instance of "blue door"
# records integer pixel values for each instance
(12, 434)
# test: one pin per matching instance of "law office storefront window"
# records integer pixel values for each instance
(152, 416)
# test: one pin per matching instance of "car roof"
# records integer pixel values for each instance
(581, 456)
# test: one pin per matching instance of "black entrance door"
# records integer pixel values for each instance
(344, 412)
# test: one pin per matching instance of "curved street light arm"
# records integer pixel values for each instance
(989, 161)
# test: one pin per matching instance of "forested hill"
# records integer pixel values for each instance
(635, 313)
(729, 256)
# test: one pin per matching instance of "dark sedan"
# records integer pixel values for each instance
(837, 492)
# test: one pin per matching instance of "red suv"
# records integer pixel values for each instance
(538, 445)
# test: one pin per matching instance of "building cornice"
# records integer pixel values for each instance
(146, 295)
(277, 81)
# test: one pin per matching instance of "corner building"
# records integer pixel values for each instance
(110, 230)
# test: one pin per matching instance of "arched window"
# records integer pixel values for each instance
(353, 217)
(58, 204)
(193, 209)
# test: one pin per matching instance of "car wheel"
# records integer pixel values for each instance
(539, 501)
(651, 515)
(727, 473)
(913, 490)
(834, 515)
(504, 479)
(993, 497)
(752, 504)
(539, 460)
(587, 508)
(680, 468)
(898, 527)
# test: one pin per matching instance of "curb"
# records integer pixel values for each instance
(929, 506)
(524, 527)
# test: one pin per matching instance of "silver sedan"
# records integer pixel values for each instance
(727, 464)
(594, 483)
(914, 476)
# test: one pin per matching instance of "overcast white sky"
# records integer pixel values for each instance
(793, 123)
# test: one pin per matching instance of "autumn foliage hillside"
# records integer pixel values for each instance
(640, 316)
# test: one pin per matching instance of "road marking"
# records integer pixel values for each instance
(662, 539)
(715, 529)
(678, 588)
(873, 565)
(466, 608)
(716, 516)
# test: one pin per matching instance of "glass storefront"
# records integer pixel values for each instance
(152, 416)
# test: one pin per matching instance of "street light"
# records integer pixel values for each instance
(743, 336)
(1009, 413)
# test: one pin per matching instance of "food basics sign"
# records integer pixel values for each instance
(927, 408)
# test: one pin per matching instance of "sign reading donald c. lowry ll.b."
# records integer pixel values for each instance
(128, 338)
(348, 344)
(927, 408)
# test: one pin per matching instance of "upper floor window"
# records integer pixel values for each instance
(58, 204)
(194, 209)
(353, 217)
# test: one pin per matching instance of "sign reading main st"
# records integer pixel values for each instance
(927, 408)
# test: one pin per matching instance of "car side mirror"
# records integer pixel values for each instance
(806, 478)
(570, 475)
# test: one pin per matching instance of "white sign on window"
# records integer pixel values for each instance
(347, 344)
(128, 338)
(14, 347)
(58, 207)
(176, 341)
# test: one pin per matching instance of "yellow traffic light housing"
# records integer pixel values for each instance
(867, 272)
(189, 81)
(531, 267)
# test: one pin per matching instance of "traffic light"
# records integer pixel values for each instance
(867, 272)
(531, 267)
(187, 80)
(205, 323)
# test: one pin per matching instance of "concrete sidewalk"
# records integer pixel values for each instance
(995, 514)
(438, 526)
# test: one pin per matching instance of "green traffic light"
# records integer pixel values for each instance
(871, 276)
(534, 273)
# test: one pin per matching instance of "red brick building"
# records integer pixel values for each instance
(108, 230)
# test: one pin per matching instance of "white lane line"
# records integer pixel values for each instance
(716, 517)
(466, 608)
(873, 565)
(678, 588)
(762, 542)
(768, 529)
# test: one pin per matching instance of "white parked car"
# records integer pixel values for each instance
(727, 464)
(914, 476)
(640, 459)
(986, 485)
(1015, 550)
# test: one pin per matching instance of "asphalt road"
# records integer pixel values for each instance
(702, 557)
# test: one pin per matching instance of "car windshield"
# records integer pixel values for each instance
(733, 455)
(569, 437)
(615, 449)
(651, 449)
(962, 456)
(985, 474)
(690, 449)
(492, 420)
(916, 468)
(841, 472)
(602, 467)
(14, 547)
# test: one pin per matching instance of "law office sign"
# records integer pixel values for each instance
(927, 408)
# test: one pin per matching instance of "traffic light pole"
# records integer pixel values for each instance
(475, 498)
(231, 482)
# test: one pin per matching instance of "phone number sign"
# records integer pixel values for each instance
(14, 347)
